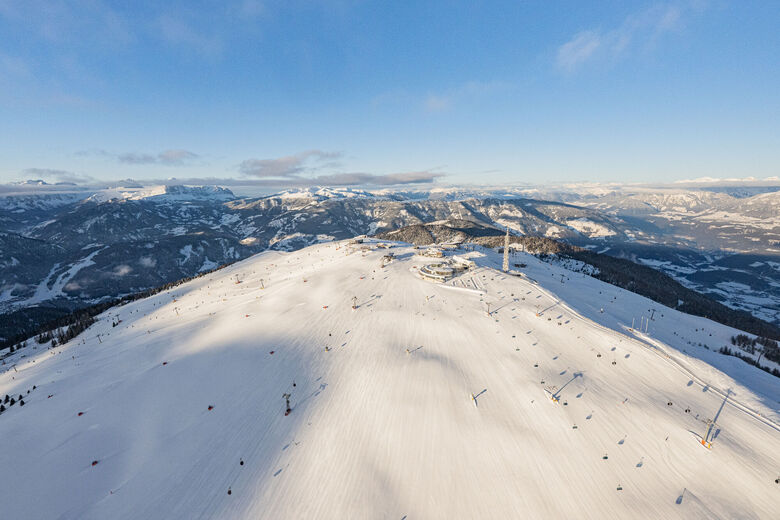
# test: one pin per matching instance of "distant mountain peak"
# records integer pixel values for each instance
(323, 193)
(164, 193)
(32, 182)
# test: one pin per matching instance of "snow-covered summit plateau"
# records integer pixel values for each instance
(486, 396)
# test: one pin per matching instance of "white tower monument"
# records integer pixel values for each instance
(506, 251)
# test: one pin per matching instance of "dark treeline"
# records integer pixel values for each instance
(645, 281)
(68, 326)
(663, 289)
(766, 347)
(648, 282)
(749, 360)
(82, 321)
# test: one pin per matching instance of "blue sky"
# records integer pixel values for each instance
(296, 92)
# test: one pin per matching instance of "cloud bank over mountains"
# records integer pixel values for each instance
(303, 169)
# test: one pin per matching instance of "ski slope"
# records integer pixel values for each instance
(383, 422)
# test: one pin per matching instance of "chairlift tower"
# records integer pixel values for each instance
(506, 251)
(706, 441)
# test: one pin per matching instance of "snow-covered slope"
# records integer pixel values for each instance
(180, 405)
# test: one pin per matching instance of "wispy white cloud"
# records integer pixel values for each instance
(315, 168)
(289, 166)
(578, 50)
(173, 157)
(307, 168)
(294, 181)
(79, 22)
(166, 158)
(362, 179)
(639, 30)
(333, 179)
(441, 100)
(54, 175)
(176, 31)
(250, 8)
(50, 40)
(437, 102)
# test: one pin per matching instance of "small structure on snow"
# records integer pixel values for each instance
(440, 272)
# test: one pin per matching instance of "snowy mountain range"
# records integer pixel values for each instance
(543, 393)
(65, 247)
